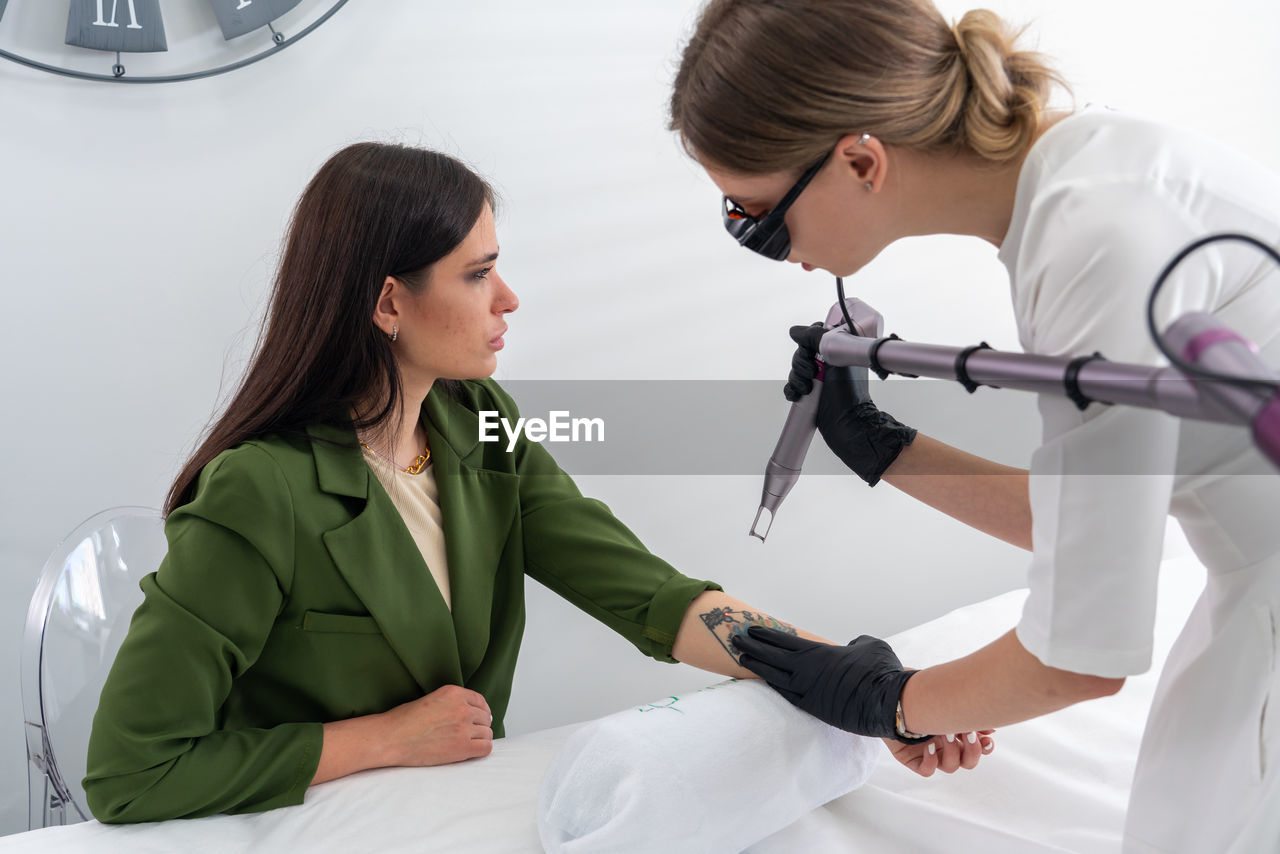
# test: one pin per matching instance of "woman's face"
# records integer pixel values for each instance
(453, 328)
(833, 223)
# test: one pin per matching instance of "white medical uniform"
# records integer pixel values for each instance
(1103, 201)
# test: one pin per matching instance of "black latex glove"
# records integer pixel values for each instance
(854, 687)
(864, 438)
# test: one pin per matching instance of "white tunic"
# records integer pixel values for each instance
(1103, 201)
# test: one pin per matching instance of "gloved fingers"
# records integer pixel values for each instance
(867, 642)
(778, 679)
(798, 385)
(803, 366)
(809, 336)
(761, 651)
(844, 388)
(803, 371)
(880, 652)
(781, 640)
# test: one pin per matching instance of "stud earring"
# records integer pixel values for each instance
(395, 330)
(862, 140)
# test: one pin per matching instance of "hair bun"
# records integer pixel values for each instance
(768, 86)
(1005, 88)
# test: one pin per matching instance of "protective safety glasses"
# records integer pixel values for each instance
(768, 234)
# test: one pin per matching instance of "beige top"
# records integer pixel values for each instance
(417, 498)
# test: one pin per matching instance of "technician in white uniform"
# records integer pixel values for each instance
(865, 121)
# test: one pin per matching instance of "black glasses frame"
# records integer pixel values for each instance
(768, 235)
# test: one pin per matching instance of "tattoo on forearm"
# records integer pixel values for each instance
(726, 623)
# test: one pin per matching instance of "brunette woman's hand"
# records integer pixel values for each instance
(944, 753)
(448, 725)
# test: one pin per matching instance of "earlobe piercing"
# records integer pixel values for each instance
(862, 140)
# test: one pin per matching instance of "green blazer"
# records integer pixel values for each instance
(293, 594)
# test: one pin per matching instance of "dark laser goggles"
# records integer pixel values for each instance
(768, 234)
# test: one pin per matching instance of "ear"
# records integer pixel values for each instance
(864, 159)
(386, 312)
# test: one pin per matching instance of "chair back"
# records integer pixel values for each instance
(79, 614)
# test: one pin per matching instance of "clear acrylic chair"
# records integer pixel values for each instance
(78, 616)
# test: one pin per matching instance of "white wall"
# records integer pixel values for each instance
(140, 226)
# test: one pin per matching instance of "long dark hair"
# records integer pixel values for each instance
(373, 210)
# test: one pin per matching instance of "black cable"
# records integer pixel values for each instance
(853, 330)
(1174, 359)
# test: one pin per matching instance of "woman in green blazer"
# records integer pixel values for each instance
(297, 630)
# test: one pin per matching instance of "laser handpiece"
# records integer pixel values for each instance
(788, 456)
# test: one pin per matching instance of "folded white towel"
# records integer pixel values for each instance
(712, 772)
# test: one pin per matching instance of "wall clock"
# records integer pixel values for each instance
(149, 41)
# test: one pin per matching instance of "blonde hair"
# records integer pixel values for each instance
(769, 85)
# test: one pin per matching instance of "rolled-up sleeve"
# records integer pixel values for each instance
(1099, 500)
(1102, 480)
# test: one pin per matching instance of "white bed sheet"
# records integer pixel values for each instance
(1056, 784)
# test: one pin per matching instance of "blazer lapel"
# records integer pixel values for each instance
(378, 558)
(479, 507)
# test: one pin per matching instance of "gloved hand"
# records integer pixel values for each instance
(866, 439)
(854, 687)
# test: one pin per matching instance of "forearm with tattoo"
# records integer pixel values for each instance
(726, 623)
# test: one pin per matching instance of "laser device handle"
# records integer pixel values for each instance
(783, 468)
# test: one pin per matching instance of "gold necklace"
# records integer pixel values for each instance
(413, 468)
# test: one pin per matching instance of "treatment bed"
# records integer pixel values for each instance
(1056, 784)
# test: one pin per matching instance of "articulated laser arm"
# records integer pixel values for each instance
(1251, 398)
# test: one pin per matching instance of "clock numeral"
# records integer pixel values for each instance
(137, 29)
(133, 16)
(117, 29)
